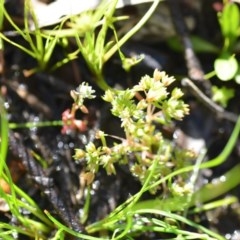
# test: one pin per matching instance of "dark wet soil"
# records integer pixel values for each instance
(44, 96)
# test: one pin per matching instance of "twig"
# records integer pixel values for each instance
(220, 111)
(31, 99)
(194, 67)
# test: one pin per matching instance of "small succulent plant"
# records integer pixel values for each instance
(142, 110)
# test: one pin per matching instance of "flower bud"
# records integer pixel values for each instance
(157, 75)
(108, 96)
(177, 93)
(79, 154)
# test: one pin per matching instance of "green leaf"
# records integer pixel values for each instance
(226, 67)
(203, 46)
(229, 20)
(222, 95)
(199, 45)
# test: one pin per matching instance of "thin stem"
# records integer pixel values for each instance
(136, 28)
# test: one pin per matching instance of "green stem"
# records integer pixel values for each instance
(180, 219)
(3, 136)
(204, 194)
(136, 28)
(123, 210)
(86, 206)
(220, 186)
(36, 124)
(212, 163)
